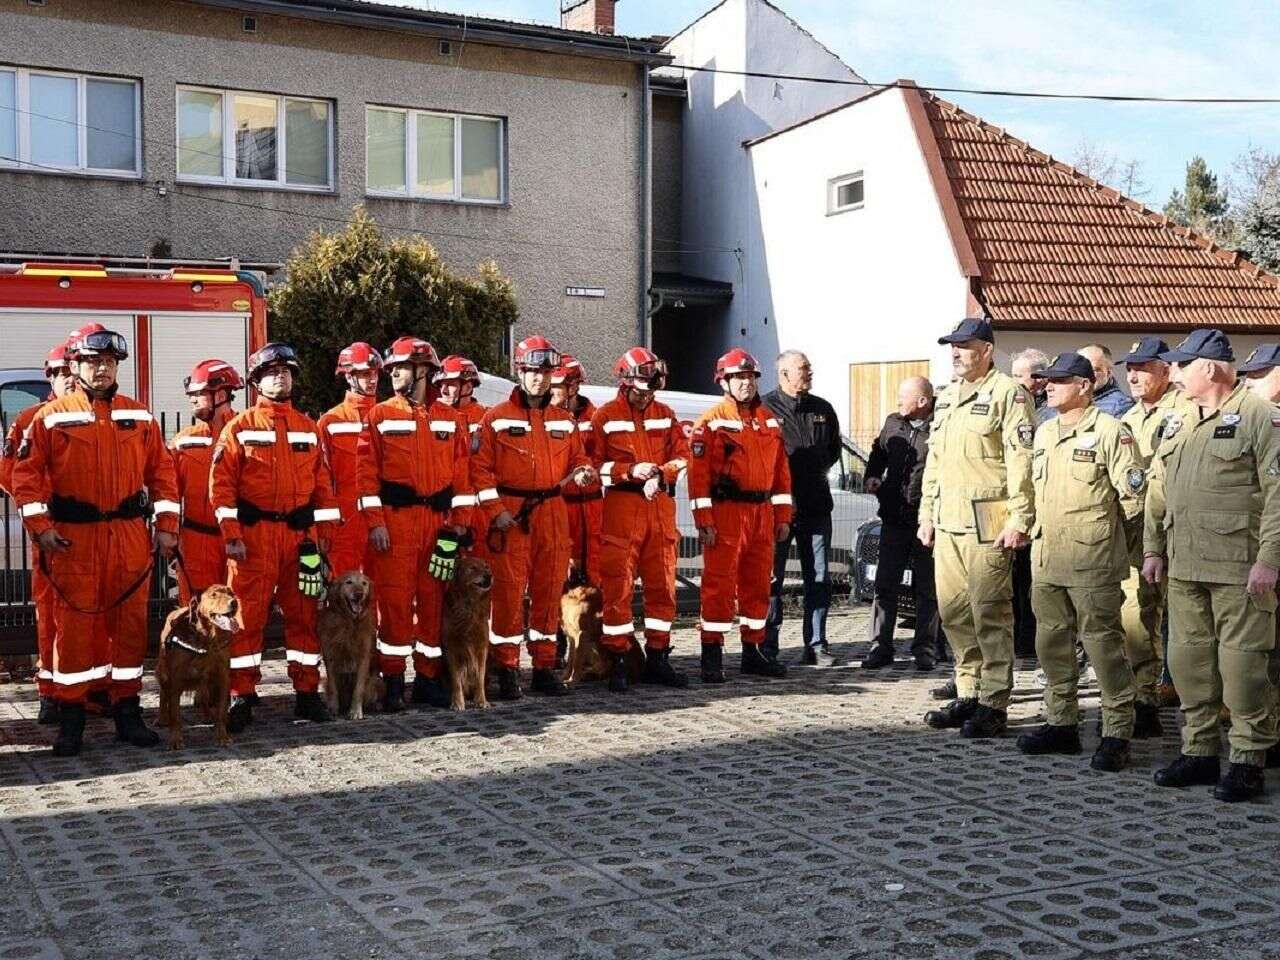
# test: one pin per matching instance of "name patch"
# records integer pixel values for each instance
(1085, 456)
(1224, 432)
(980, 409)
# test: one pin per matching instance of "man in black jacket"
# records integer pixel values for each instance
(894, 473)
(811, 433)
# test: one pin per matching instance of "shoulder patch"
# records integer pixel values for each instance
(1026, 434)
(1126, 436)
(1136, 478)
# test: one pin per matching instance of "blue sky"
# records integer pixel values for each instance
(1141, 46)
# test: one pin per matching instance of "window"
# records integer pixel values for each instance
(70, 122)
(434, 156)
(844, 193)
(254, 139)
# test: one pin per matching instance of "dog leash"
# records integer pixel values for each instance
(128, 592)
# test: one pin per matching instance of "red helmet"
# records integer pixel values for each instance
(210, 375)
(736, 360)
(94, 340)
(535, 353)
(454, 367)
(358, 356)
(412, 350)
(570, 370)
(639, 368)
(56, 360)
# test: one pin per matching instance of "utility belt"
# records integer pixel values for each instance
(136, 506)
(400, 495)
(209, 529)
(634, 486)
(532, 500)
(251, 514)
(583, 497)
(728, 490)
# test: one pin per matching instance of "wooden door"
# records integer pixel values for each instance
(873, 395)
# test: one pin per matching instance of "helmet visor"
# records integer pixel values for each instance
(541, 358)
(102, 342)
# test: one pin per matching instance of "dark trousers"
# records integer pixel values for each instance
(1024, 621)
(900, 549)
(813, 543)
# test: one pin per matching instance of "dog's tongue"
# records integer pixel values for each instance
(223, 622)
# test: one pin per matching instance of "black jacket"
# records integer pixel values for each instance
(811, 434)
(897, 460)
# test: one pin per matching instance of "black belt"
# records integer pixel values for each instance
(402, 495)
(632, 486)
(250, 514)
(210, 529)
(735, 494)
(62, 509)
(532, 500)
(583, 497)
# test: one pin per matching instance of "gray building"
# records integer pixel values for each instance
(234, 128)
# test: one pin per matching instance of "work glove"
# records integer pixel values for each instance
(651, 486)
(445, 555)
(310, 570)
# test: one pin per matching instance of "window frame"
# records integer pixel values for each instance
(410, 192)
(228, 178)
(22, 124)
(833, 193)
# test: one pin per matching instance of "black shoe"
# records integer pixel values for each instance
(393, 693)
(953, 715)
(945, 692)
(310, 706)
(1189, 772)
(70, 730)
(1146, 721)
(618, 673)
(429, 692)
(658, 669)
(239, 714)
(819, 655)
(925, 662)
(986, 722)
(756, 661)
(49, 709)
(509, 683)
(1050, 739)
(99, 703)
(712, 663)
(1243, 781)
(548, 683)
(878, 657)
(129, 726)
(1112, 755)
(1273, 756)
(562, 649)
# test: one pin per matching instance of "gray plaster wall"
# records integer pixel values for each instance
(574, 138)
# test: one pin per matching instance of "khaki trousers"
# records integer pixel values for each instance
(975, 593)
(1092, 614)
(1219, 652)
(1142, 614)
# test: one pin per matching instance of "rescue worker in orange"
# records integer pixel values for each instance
(57, 370)
(94, 470)
(640, 452)
(586, 506)
(740, 490)
(342, 430)
(271, 494)
(211, 388)
(455, 382)
(415, 495)
(528, 452)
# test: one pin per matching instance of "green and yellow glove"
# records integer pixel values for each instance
(445, 555)
(310, 570)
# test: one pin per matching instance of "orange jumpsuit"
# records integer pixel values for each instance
(270, 457)
(524, 451)
(639, 534)
(414, 452)
(586, 505)
(341, 431)
(739, 482)
(86, 470)
(203, 556)
(471, 415)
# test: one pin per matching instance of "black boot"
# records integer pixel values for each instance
(1112, 755)
(99, 702)
(1243, 781)
(953, 715)
(1189, 772)
(986, 722)
(428, 692)
(70, 730)
(239, 714)
(129, 725)
(712, 663)
(658, 669)
(1273, 756)
(509, 683)
(393, 693)
(756, 661)
(548, 683)
(618, 673)
(1146, 721)
(310, 706)
(880, 656)
(945, 692)
(48, 711)
(1051, 739)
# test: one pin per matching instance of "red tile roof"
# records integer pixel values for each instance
(1051, 247)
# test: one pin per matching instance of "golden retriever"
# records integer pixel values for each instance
(347, 628)
(195, 655)
(466, 631)
(581, 618)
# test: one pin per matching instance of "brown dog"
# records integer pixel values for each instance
(195, 654)
(466, 631)
(581, 617)
(347, 628)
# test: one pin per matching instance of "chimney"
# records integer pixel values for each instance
(589, 16)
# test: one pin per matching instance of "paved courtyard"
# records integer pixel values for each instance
(807, 818)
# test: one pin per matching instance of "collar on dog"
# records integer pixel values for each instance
(175, 642)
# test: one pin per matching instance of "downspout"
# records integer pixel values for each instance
(644, 321)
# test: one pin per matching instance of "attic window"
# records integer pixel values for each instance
(845, 193)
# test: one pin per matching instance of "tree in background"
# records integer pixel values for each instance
(1255, 184)
(1105, 166)
(1202, 205)
(355, 284)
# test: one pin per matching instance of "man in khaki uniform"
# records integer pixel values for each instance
(1089, 491)
(1213, 512)
(978, 468)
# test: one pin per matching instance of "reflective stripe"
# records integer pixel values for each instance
(584, 426)
(44, 674)
(295, 437)
(226, 513)
(619, 629)
(558, 426)
(389, 651)
(246, 662)
(134, 415)
(497, 640)
(442, 426)
(508, 424)
(606, 468)
(397, 426)
(463, 500)
(126, 673)
(34, 509)
(306, 659)
(68, 417)
(327, 514)
(166, 506)
(781, 499)
(430, 653)
(652, 623)
(343, 426)
(750, 624)
(368, 503)
(473, 428)
(84, 676)
(487, 494)
(725, 425)
(771, 422)
(716, 627)
(181, 443)
(662, 423)
(619, 426)
(701, 503)
(606, 480)
(256, 436)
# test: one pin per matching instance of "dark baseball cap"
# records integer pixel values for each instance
(1066, 365)
(1148, 348)
(1264, 357)
(970, 328)
(1203, 344)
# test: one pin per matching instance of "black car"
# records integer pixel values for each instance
(866, 553)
